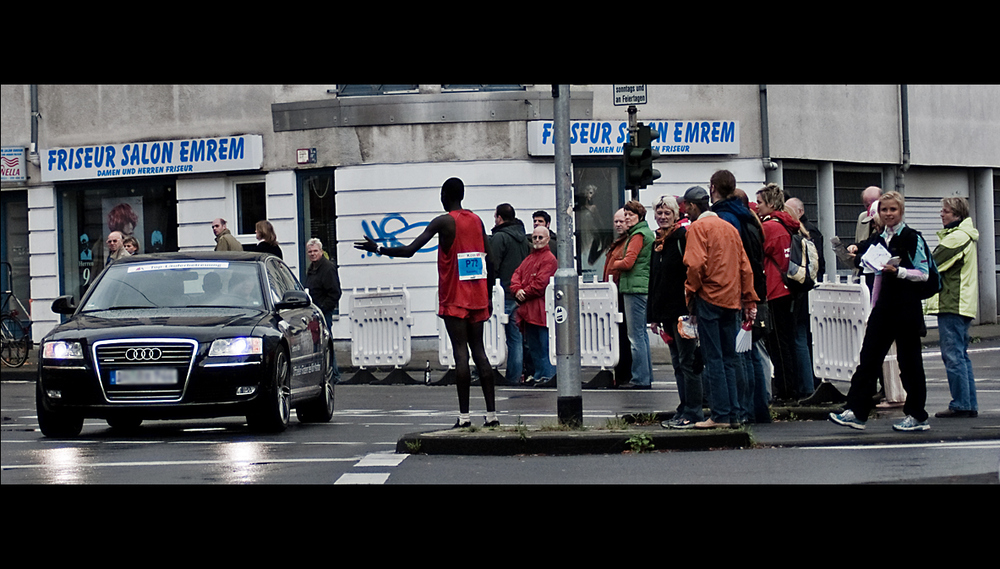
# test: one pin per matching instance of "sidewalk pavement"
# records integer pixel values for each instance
(792, 425)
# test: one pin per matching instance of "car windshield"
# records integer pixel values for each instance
(175, 284)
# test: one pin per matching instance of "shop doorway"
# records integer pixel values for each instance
(317, 214)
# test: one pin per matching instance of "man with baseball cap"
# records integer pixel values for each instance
(718, 288)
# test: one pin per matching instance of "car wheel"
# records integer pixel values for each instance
(53, 423)
(275, 405)
(320, 410)
(124, 423)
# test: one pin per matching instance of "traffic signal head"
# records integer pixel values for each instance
(639, 158)
(646, 135)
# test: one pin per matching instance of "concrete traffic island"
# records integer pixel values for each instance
(517, 440)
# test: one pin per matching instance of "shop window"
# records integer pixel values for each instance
(597, 194)
(848, 186)
(802, 184)
(251, 205)
(496, 87)
(144, 209)
(367, 90)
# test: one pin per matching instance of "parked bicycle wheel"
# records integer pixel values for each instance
(14, 341)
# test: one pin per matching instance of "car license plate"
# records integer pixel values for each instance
(144, 376)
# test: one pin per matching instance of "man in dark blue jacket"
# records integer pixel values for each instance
(510, 247)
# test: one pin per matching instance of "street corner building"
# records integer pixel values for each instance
(341, 162)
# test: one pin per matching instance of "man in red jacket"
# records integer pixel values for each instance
(528, 287)
(465, 267)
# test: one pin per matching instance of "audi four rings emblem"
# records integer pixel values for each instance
(143, 354)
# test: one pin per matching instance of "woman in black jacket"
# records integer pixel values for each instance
(267, 239)
(666, 304)
(896, 316)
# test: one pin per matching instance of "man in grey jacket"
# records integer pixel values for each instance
(510, 246)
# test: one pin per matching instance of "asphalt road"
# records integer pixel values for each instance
(358, 446)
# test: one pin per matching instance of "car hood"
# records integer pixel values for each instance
(200, 323)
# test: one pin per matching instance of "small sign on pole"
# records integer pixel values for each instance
(629, 95)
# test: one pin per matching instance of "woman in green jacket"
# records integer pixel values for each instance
(633, 267)
(956, 304)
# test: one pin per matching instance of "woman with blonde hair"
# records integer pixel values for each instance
(896, 316)
(666, 304)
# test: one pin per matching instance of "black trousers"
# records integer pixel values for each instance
(885, 326)
(781, 347)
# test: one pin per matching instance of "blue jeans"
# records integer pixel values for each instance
(682, 354)
(954, 332)
(803, 360)
(538, 345)
(515, 344)
(717, 328)
(638, 339)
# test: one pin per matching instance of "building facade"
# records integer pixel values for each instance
(340, 162)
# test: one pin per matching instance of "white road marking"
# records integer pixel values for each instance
(954, 445)
(379, 460)
(373, 460)
(363, 478)
(185, 463)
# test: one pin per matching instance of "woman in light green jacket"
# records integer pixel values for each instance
(957, 302)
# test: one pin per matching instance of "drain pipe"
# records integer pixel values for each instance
(769, 165)
(904, 119)
(33, 149)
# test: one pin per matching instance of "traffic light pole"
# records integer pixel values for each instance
(567, 289)
(633, 131)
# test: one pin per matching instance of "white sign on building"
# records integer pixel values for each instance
(12, 164)
(153, 158)
(629, 95)
(678, 137)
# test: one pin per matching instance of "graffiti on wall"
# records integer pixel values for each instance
(391, 228)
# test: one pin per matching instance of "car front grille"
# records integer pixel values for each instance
(134, 370)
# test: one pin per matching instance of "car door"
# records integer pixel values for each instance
(305, 343)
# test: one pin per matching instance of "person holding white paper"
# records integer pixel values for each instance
(896, 316)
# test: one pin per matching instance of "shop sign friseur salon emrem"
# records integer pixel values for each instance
(153, 158)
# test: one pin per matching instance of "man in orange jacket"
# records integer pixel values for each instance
(719, 286)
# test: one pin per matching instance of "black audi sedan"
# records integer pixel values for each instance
(187, 335)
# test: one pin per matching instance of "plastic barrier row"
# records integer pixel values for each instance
(381, 323)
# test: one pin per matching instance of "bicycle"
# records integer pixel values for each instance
(15, 336)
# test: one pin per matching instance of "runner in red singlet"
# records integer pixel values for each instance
(465, 269)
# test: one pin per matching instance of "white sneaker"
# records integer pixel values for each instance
(911, 424)
(848, 419)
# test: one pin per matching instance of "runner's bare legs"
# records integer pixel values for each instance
(467, 333)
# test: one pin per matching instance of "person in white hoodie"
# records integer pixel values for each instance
(957, 303)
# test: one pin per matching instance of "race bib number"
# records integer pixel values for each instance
(471, 266)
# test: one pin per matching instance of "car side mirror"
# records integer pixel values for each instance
(293, 299)
(64, 305)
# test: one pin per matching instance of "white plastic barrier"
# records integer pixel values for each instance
(494, 334)
(380, 328)
(838, 313)
(599, 319)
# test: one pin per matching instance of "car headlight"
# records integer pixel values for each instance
(62, 351)
(237, 347)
